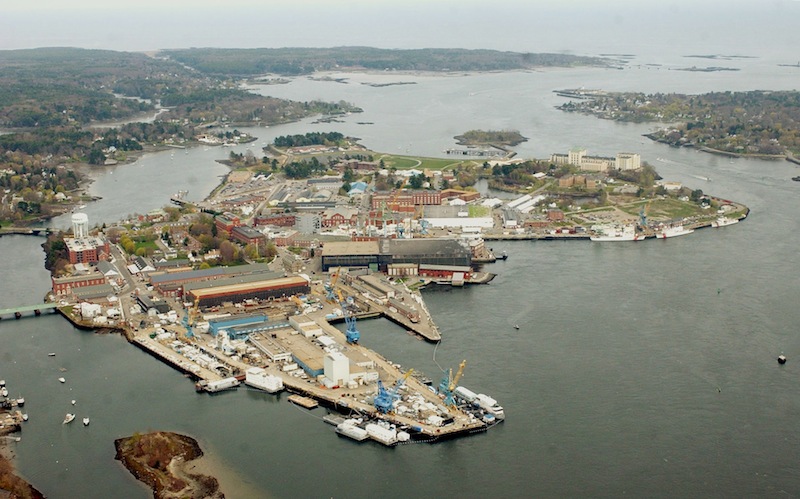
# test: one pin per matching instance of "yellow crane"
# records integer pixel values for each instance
(449, 383)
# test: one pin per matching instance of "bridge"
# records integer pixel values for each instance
(36, 309)
(27, 231)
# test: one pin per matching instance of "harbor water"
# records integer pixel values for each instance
(644, 369)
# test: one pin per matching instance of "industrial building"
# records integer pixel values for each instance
(211, 294)
(171, 283)
(241, 326)
(378, 255)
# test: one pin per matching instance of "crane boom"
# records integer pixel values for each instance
(458, 375)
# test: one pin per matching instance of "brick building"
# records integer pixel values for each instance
(88, 249)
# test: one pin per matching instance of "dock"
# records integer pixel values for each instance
(306, 402)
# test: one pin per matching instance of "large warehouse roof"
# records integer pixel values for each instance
(350, 248)
(422, 246)
(213, 290)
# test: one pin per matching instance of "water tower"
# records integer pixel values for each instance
(80, 225)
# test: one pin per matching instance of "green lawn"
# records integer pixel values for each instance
(417, 162)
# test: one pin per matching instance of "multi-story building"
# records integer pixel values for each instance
(89, 249)
(247, 235)
(226, 223)
(334, 217)
(579, 158)
(66, 285)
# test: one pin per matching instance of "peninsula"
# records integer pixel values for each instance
(755, 123)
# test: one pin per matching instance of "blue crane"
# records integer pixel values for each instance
(351, 334)
(643, 215)
(384, 400)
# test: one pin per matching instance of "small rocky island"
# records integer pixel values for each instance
(494, 138)
(160, 460)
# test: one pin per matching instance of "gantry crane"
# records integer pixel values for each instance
(351, 334)
(329, 287)
(450, 382)
(190, 318)
(384, 400)
(643, 215)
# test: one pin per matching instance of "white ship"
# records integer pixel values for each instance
(616, 233)
(672, 231)
(350, 429)
(382, 432)
(723, 221)
(258, 378)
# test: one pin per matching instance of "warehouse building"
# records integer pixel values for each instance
(378, 255)
(213, 294)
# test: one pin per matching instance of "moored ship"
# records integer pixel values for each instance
(616, 233)
(258, 378)
(672, 231)
(723, 221)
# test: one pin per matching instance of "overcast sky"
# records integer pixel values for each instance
(533, 25)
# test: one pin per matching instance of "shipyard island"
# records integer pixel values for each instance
(247, 286)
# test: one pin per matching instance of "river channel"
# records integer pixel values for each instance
(644, 369)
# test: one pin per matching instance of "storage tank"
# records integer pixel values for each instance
(80, 225)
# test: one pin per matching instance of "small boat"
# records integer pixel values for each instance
(62, 380)
(781, 359)
(2, 382)
(21, 401)
(516, 326)
(85, 421)
(25, 416)
(51, 354)
(4, 391)
(72, 402)
(68, 418)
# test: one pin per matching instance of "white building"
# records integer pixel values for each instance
(337, 368)
(579, 158)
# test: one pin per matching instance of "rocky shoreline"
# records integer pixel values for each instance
(162, 461)
(10, 482)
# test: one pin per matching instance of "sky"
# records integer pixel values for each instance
(519, 25)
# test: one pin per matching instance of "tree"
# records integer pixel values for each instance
(417, 181)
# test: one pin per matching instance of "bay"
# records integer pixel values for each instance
(644, 369)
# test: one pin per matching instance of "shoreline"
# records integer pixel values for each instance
(720, 152)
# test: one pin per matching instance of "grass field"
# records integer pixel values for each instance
(418, 162)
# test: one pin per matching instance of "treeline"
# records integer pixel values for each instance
(300, 61)
(76, 144)
(304, 169)
(754, 122)
(310, 139)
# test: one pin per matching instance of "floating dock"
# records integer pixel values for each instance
(306, 402)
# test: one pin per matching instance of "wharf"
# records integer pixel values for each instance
(421, 324)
